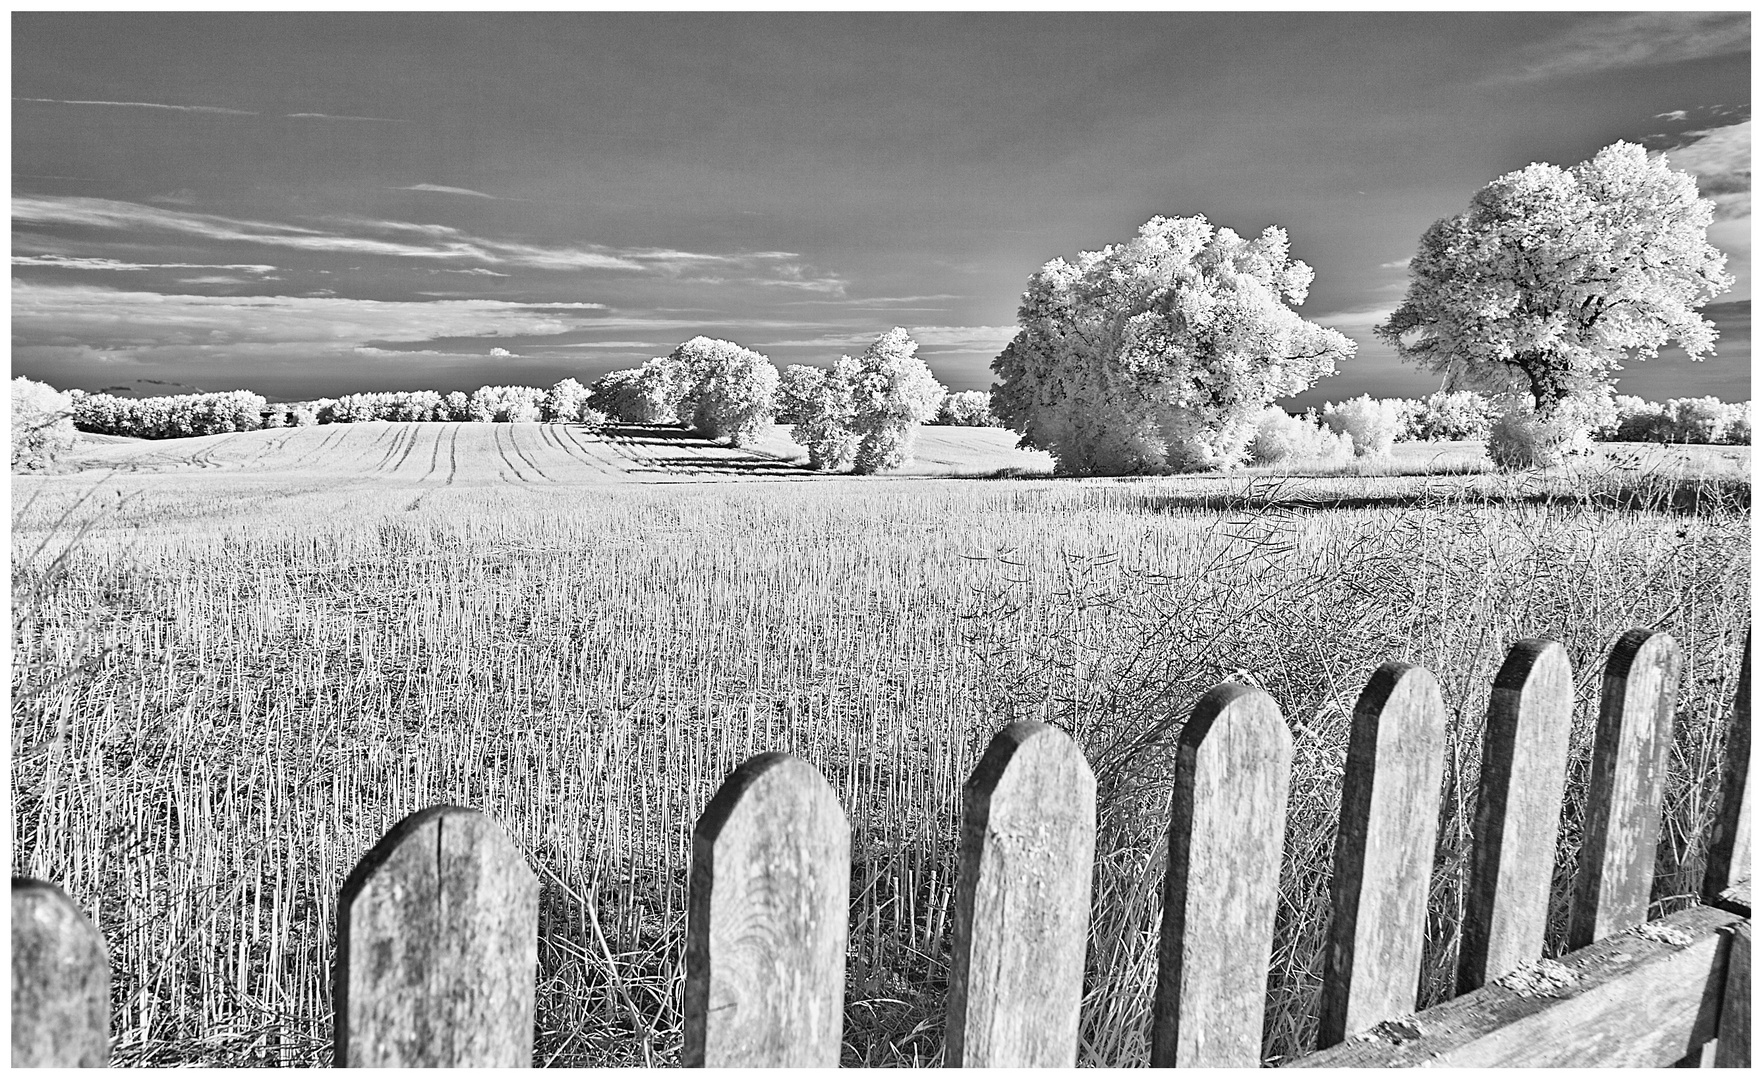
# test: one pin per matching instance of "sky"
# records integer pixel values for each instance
(308, 205)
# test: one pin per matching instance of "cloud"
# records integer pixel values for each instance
(478, 270)
(501, 352)
(445, 190)
(328, 116)
(964, 338)
(1631, 39)
(143, 105)
(1355, 322)
(110, 319)
(416, 240)
(1674, 115)
(1399, 264)
(1721, 160)
(77, 263)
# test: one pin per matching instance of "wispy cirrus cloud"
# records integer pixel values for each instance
(330, 116)
(119, 320)
(443, 189)
(1601, 42)
(142, 105)
(415, 240)
(73, 262)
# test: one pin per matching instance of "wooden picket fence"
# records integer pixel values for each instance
(437, 939)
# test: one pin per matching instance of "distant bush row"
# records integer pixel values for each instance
(185, 415)
(1368, 427)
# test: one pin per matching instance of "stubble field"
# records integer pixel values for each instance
(239, 659)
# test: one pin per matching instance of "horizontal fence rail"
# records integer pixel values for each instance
(437, 926)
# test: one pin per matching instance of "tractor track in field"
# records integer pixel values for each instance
(526, 457)
(597, 462)
(502, 452)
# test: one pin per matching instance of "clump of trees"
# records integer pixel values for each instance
(1161, 354)
(1372, 425)
(1550, 281)
(42, 425)
(967, 408)
(1680, 420)
(172, 417)
(865, 412)
(1281, 437)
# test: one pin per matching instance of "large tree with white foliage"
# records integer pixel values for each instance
(726, 391)
(1553, 277)
(1160, 354)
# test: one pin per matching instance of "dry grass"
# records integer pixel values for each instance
(225, 692)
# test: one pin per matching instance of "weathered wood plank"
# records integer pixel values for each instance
(1630, 755)
(1383, 851)
(1517, 813)
(1729, 842)
(1643, 997)
(60, 982)
(437, 948)
(1022, 903)
(1226, 833)
(1733, 1048)
(768, 920)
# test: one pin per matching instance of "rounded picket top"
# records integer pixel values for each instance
(1631, 754)
(1226, 837)
(60, 981)
(437, 948)
(1022, 902)
(767, 921)
(1383, 851)
(1517, 812)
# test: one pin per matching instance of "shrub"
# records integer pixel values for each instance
(1369, 422)
(1451, 416)
(1519, 439)
(563, 402)
(1281, 437)
(42, 425)
(967, 408)
(591, 418)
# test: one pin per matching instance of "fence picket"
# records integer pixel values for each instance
(1729, 845)
(1226, 834)
(1383, 852)
(1630, 755)
(437, 948)
(60, 982)
(1022, 902)
(768, 920)
(1517, 813)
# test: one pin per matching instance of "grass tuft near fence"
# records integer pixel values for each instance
(218, 707)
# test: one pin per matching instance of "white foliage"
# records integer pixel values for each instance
(1371, 423)
(42, 425)
(1553, 277)
(1159, 354)
(727, 390)
(1281, 437)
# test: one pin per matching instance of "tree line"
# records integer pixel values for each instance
(1166, 353)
